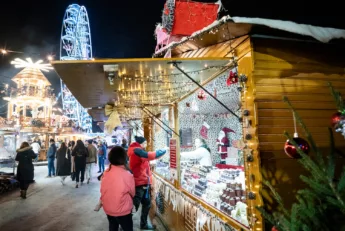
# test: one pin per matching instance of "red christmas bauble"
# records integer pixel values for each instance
(291, 151)
(274, 229)
(233, 78)
(336, 118)
(201, 95)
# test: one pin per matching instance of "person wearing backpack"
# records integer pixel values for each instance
(102, 152)
(80, 153)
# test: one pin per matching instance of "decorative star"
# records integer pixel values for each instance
(19, 63)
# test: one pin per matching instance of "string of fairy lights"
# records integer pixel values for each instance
(162, 78)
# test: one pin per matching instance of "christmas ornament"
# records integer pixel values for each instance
(290, 149)
(204, 130)
(232, 79)
(201, 95)
(336, 118)
(160, 203)
(274, 229)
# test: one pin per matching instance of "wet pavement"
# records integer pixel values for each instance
(51, 206)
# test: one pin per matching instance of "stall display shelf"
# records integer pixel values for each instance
(222, 189)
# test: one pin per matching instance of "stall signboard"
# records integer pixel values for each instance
(172, 146)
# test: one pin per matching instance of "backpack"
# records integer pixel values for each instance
(100, 151)
(82, 153)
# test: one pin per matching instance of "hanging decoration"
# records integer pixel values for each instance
(338, 119)
(232, 79)
(186, 17)
(195, 106)
(113, 120)
(202, 95)
(185, 206)
(160, 203)
(204, 130)
(290, 149)
(168, 15)
(274, 229)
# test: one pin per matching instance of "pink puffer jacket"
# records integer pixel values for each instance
(117, 191)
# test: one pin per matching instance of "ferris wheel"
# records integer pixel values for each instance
(75, 34)
(75, 44)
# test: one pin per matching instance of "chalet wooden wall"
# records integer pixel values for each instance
(300, 71)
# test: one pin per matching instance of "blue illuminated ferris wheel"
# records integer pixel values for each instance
(75, 44)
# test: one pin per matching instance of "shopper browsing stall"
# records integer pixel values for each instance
(201, 153)
(140, 166)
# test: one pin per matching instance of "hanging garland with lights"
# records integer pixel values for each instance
(152, 77)
(152, 91)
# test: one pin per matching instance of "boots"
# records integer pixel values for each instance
(23, 194)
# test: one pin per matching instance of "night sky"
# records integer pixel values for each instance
(123, 28)
(120, 29)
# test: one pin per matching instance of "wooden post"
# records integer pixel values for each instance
(177, 128)
(148, 132)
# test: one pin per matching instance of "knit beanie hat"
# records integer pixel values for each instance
(139, 139)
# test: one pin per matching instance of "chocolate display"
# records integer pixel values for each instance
(223, 189)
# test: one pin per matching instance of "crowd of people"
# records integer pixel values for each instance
(125, 184)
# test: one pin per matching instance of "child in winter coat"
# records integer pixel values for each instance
(117, 191)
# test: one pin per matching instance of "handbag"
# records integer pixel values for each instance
(73, 175)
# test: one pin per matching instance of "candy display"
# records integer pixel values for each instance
(224, 188)
(162, 168)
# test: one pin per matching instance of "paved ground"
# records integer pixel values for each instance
(51, 206)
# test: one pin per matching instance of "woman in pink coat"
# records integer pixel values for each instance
(117, 191)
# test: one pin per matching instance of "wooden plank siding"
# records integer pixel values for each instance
(286, 68)
(300, 71)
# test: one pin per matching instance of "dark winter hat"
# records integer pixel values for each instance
(139, 139)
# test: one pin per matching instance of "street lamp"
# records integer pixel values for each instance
(3, 51)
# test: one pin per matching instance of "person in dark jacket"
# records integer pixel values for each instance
(25, 169)
(63, 165)
(51, 158)
(139, 164)
(80, 153)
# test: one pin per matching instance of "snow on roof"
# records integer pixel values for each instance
(322, 34)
